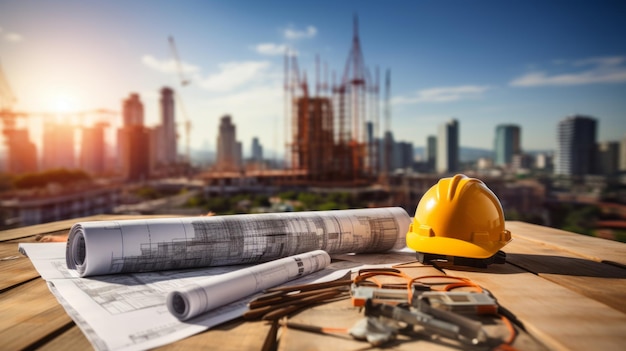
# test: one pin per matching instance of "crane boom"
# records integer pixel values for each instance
(183, 82)
(179, 66)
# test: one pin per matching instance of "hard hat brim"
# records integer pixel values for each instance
(453, 247)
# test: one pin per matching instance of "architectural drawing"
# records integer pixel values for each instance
(96, 248)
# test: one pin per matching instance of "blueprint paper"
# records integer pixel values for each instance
(129, 311)
(207, 294)
(128, 246)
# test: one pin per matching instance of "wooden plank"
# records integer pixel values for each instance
(231, 336)
(593, 248)
(65, 225)
(561, 318)
(14, 272)
(44, 228)
(70, 339)
(602, 282)
(29, 313)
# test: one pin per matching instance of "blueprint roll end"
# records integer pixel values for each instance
(178, 305)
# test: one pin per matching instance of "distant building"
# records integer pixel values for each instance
(521, 161)
(30, 208)
(386, 147)
(22, 153)
(132, 110)
(132, 114)
(257, 150)
(371, 143)
(228, 149)
(313, 144)
(402, 155)
(134, 142)
(576, 146)
(93, 149)
(430, 154)
(507, 144)
(136, 159)
(448, 147)
(484, 163)
(622, 154)
(58, 146)
(543, 161)
(608, 158)
(168, 124)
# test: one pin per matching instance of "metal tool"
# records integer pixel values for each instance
(460, 302)
(469, 332)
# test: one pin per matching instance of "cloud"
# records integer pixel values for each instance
(271, 49)
(595, 70)
(291, 33)
(233, 75)
(168, 66)
(10, 37)
(441, 94)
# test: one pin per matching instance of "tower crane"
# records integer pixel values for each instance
(183, 82)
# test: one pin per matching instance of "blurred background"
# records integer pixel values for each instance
(151, 107)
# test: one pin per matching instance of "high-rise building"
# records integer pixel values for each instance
(430, 154)
(576, 146)
(313, 142)
(622, 154)
(132, 110)
(22, 153)
(402, 155)
(386, 152)
(507, 144)
(228, 149)
(257, 151)
(168, 124)
(607, 158)
(133, 140)
(448, 147)
(58, 146)
(136, 155)
(93, 149)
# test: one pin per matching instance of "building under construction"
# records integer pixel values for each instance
(331, 132)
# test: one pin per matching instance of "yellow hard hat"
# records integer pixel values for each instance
(458, 216)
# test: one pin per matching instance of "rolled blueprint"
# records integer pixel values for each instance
(127, 246)
(220, 290)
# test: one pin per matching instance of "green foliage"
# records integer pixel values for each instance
(148, 193)
(42, 179)
(308, 201)
(619, 235)
(288, 195)
(581, 220)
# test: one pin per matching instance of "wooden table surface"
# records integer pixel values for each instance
(567, 290)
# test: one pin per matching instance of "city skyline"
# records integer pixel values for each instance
(531, 63)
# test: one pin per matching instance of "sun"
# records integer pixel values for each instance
(63, 103)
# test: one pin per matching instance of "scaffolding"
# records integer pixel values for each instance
(332, 135)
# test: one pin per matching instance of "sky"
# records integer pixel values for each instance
(485, 63)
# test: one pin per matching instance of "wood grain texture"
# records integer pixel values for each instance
(70, 339)
(556, 283)
(589, 247)
(235, 335)
(65, 225)
(29, 313)
(559, 317)
(602, 282)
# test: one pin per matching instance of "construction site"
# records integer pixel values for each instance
(333, 129)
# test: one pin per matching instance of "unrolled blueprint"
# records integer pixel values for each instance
(129, 311)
